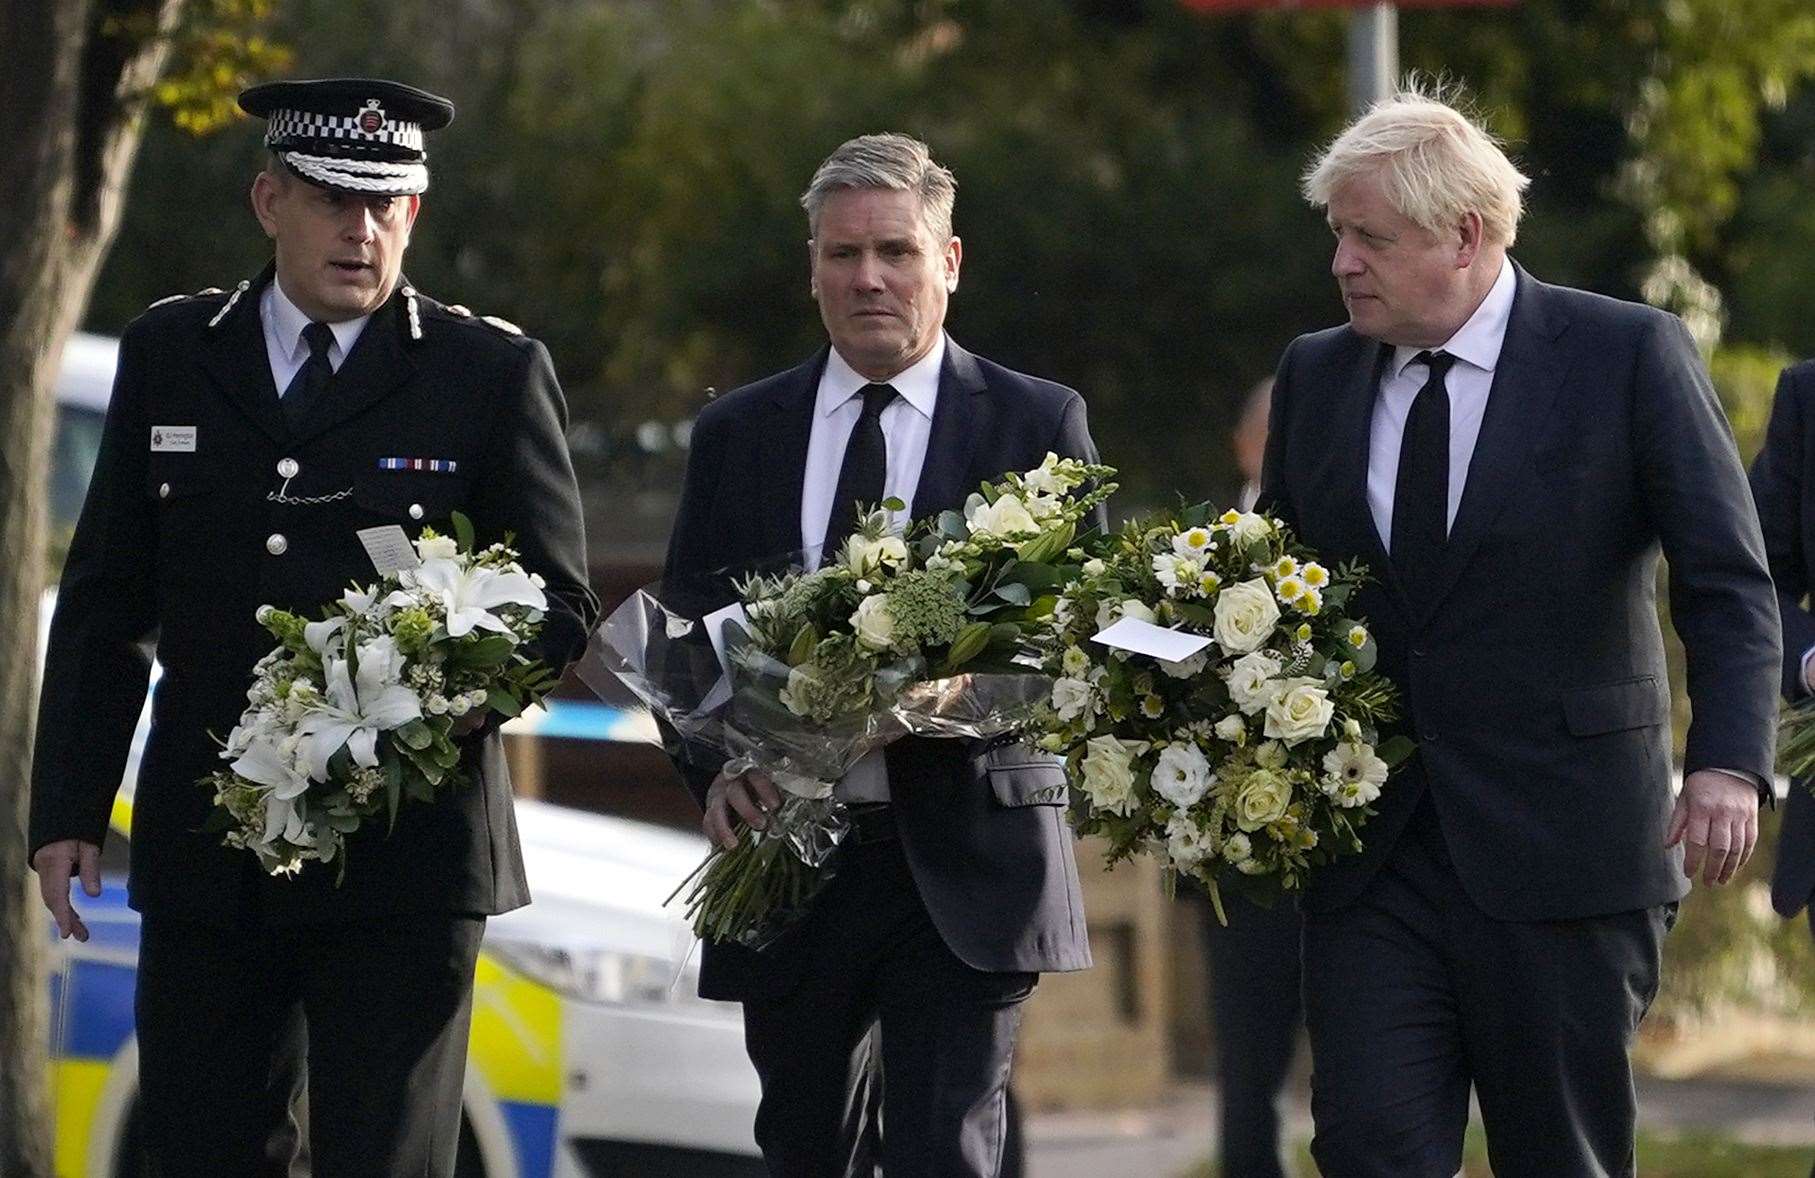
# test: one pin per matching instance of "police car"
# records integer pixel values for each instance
(590, 1054)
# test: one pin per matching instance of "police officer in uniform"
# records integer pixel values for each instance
(252, 433)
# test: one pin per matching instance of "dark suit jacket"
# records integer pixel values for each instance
(983, 830)
(179, 545)
(1533, 667)
(1783, 484)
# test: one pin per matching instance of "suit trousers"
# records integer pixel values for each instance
(1413, 994)
(375, 1013)
(946, 1032)
(1256, 1008)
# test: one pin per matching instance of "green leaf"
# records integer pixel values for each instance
(463, 531)
(951, 525)
(1015, 594)
(494, 650)
(416, 735)
(503, 702)
(969, 644)
(1397, 749)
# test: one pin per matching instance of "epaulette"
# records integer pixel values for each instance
(461, 312)
(239, 289)
(177, 298)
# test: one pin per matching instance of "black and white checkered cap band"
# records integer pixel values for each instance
(378, 177)
(289, 126)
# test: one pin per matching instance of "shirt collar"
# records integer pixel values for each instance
(1477, 342)
(918, 383)
(287, 323)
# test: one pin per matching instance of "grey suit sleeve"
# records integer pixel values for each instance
(1777, 489)
(1721, 598)
(97, 663)
(690, 556)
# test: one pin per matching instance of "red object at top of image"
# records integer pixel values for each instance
(1253, 5)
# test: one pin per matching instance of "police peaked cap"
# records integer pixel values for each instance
(359, 135)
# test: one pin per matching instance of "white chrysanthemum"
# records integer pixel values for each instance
(1238, 849)
(1152, 707)
(1315, 575)
(1310, 602)
(1356, 774)
(1074, 662)
(1358, 636)
(1284, 567)
(1193, 543)
(1246, 527)
(1289, 589)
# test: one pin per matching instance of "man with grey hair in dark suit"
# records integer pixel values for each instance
(958, 887)
(1510, 459)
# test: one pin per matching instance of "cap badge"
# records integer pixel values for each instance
(371, 119)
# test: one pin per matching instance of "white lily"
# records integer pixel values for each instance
(319, 634)
(468, 595)
(358, 707)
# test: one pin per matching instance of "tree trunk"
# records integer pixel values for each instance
(72, 100)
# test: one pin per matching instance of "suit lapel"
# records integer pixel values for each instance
(945, 472)
(377, 367)
(1353, 422)
(1526, 379)
(787, 427)
(239, 365)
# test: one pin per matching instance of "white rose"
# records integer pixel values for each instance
(1112, 611)
(873, 623)
(1251, 685)
(1356, 774)
(437, 548)
(794, 694)
(865, 555)
(1006, 517)
(1070, 698)
(1263, 798)
(1095, 567)
(1232, 728)
(1108, 772)
(1185, 843)
(1301, 711)
(1245, 616)
(1182, 774)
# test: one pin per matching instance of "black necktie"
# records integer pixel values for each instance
(1421, 494)
(313, 378)
(864, 470)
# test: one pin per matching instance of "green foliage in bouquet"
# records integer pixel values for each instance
(353, 714)
(1261, 754)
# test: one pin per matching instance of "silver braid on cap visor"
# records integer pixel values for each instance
(375, 176)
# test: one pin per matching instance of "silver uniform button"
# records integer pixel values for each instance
(163, 490)
(276, 545)
(415, 511)
(288, 468)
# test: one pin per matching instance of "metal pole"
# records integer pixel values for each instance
(1373, 54)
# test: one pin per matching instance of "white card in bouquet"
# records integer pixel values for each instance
(389, 548)
(715, 629)
(1138, 637)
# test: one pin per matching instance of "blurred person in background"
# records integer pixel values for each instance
(1785, 495)
(1256, 1008)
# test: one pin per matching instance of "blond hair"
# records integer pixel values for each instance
(1437, 166)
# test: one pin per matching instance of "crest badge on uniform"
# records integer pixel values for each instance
(371, 119)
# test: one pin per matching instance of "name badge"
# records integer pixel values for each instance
(173, 439)
(389, 548)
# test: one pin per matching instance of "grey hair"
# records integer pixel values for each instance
(1437, 166)
(889, 161)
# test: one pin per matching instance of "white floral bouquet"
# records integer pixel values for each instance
(1260, 752)
(921, 632)
(353, 713)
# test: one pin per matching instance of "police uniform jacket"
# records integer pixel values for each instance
(206, 504)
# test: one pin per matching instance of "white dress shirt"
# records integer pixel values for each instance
(284, 343)
(907, 425)
(1476, 347)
